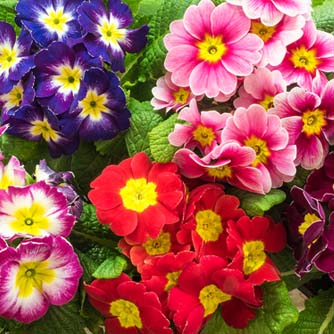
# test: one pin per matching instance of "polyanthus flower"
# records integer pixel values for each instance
(12, 174)
(271, 11)
(210, 48)
(260, 87)
(40, 272)
(138, 197)
(15, 57)
(99, 111)
(49, 21)
(202, 131)
(251, 239)
(169, 96)
(107, 35)
(127, 306)
(310, 54)
(34, 210)
(264, 133)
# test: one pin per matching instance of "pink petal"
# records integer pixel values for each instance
(178, 36)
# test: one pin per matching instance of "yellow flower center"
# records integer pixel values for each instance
(263, 31)
(313, 122)
(68, 79)
(208, 225)
(158, 246)
(220, 172)
(127, 313)
(309, 219)
(138, 194)
(93, 105)
(14, 97)
(261, 149)
(172, 278)
(204, 135)
(8, 57)
(110, 33)
(55, 20)
(43, 128)
(254, 256)
(31, 276)
(267, 102)
(210, 297)
(306, 59)
(211, 49)
(181, 95)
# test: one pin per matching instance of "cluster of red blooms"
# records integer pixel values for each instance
(195, 249)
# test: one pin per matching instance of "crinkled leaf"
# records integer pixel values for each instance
(323, 16)
(111, 267)
(160, 148)
(317, 317)
(300, 178)
(143, 120)
(277, 313)
(7, 13)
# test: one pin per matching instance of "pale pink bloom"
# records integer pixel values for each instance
(270, 12)
(260, 87)
(12, 174)
(264, 133)
(277, 37)
(229, 163)
(210, 48)
(309, 120)
(169, 96)
(202, 130)
(312, 53)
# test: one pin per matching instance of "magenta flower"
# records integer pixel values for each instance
(264, 133)
(39, 272)
(260, 87)
(210, 48)
(202, 131)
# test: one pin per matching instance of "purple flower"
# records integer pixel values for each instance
(49, 20)
(39, 272)
(107, 35)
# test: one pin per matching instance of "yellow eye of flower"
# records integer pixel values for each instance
(126, 312)
(211, 49)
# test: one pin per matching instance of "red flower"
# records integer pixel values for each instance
(250, 239)
(128, 307)
(138, 197)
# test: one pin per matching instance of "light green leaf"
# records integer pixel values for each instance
(111, 267)
(324, 16)
(160, 148)
(318, 316)
(277, 313)
(317, 2)
(7, 13)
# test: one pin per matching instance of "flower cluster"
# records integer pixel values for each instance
(55, 81)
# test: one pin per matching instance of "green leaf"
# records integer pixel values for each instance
(160, 148)
(318, 316)
(7, 13)
(324, 16)
(111, 267)
(317, 2)
(143, 120)
(277, 313)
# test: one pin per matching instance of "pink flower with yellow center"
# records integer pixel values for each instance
(310, 54)
(12, 174)
(260, 87)
(210, 48)
(169, 96)
(264, 133)
(202, 131)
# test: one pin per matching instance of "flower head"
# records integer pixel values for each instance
(12, 174)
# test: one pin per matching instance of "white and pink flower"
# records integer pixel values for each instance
(12, 174)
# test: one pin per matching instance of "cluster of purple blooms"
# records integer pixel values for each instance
(55, 82)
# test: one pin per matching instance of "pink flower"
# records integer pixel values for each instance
(260, 87)
(12, 174)
(312, 53)
(169, 96)
(271, 11)
(202, 131)
(264, 133)
(210, 48)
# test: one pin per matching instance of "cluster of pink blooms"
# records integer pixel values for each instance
(267, 62)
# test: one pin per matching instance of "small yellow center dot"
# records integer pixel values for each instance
(30, 273)
(28, 221)
(181, 95)
(261, 149)
(204, 135)
(211, 49)
(254, 256)
(305, 59)
(313, 122)
(208, 225)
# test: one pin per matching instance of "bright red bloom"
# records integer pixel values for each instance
(128, 307)
(138, 197)
(250, 239)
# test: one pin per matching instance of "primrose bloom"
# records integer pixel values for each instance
(34, 210)
(12, 174)
(107, 35)
(264, 133)
(128, 307)
(138, 197)
(40, 272)
(210, 48)
(49, 21)
(15, 57)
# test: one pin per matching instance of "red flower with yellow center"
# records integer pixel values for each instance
(138, 197)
